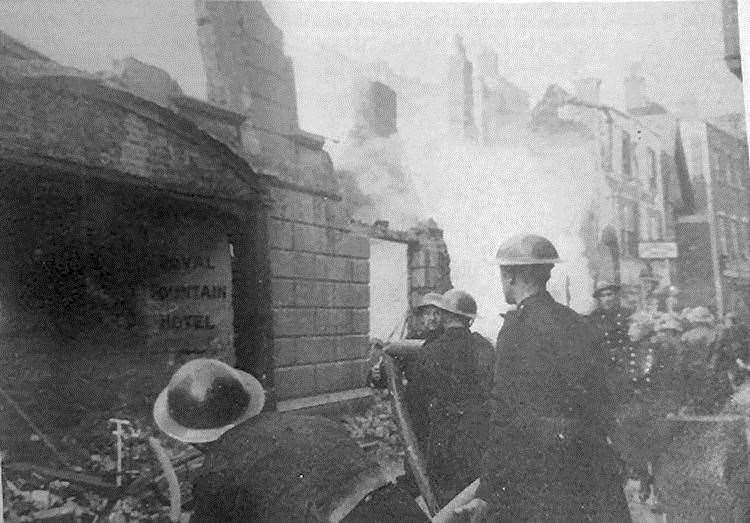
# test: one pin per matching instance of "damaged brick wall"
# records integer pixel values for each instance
(320, 294)
(428, 259)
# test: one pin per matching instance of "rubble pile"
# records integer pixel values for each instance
(37, 495)
(89, 493)
(377, 429)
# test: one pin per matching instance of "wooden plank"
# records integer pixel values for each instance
(93, 482)
(322, 399)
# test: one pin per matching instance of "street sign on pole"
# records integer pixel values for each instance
(657, 250)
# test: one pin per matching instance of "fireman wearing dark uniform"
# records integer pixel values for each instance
(271, 466)
(454, 377)
(429, 316)
(611, 322)
(547, 456)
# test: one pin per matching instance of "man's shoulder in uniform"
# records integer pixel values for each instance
(555, 319)
(561, 314)
(479, 339)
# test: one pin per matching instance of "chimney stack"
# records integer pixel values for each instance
(635, 88)
(587, 90)
(375, 112)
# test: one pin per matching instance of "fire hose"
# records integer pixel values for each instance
(175, 500)
(403, 420)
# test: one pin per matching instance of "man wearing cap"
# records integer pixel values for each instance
(454, 377)
(611, 322)
(547, 456)
(271, 466)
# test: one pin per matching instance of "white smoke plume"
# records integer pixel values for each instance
(383, 181)
(479, 195)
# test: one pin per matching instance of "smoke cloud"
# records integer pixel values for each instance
(478, 194)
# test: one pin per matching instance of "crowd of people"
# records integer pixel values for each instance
(552, 420)
(690, 356)
(661, 364)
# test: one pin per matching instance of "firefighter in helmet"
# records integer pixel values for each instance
(428, 314)
(453, 378)
(271, 466)
(547, 456)
(429, 317)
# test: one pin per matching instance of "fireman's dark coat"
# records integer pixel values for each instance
(547, 457)
(278, 467)
(415, 402)
(453, 375)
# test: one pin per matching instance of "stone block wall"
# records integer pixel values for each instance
(320, 296)
(246, 68)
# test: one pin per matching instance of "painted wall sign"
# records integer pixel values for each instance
(189, 303)
(657, 250)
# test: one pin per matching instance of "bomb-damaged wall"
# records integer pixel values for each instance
(102, 295)
(427, 261)
(379, 191)
(318, 269)
(114, 275)
(320, 294)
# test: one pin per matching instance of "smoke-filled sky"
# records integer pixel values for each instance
(679, 43)
(478, 195)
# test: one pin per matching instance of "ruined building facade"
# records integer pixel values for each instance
(637, 101)
(246, 69)
(502, 104)
(460, 84)
(319, 269)
(732, 37)
(376, 111)
(408, 256)
(376, 183)
(628, 203)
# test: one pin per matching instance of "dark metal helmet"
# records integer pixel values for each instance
(204, 399)
(459, 302)
(527, 249)
(431, 299)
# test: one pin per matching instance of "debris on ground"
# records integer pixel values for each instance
(34, 494)
(376, 427)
